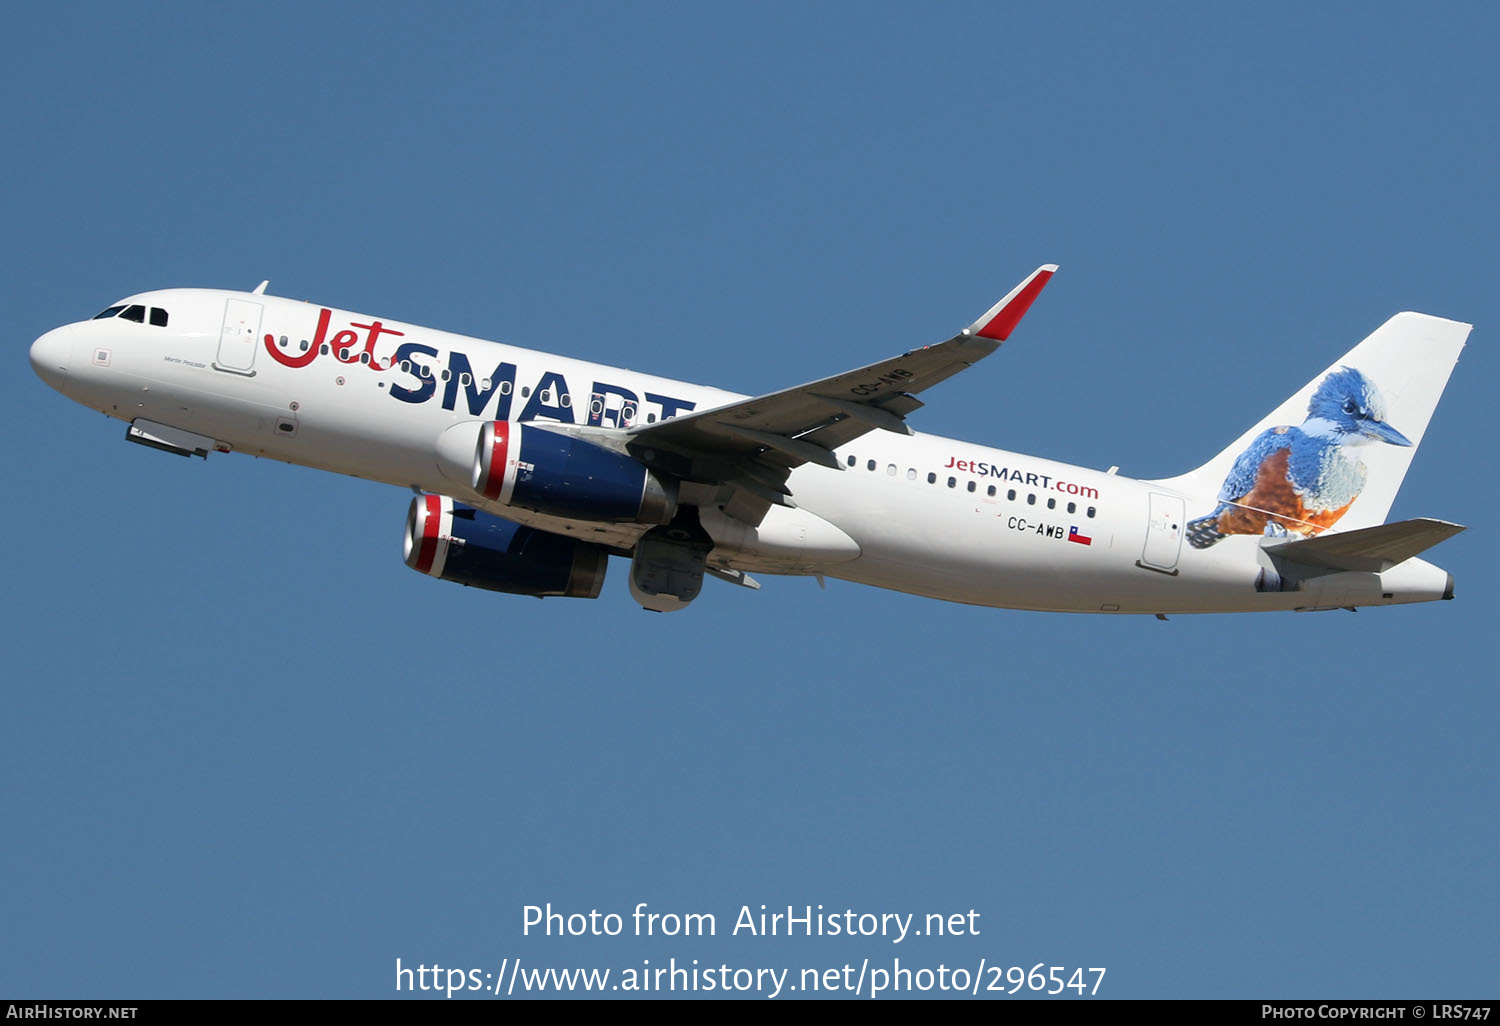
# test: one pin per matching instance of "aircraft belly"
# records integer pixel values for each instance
(787, 540)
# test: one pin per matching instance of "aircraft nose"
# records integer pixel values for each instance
(50, 355)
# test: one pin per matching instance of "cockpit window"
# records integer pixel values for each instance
(158, 317)
(135, 313)
(112, 311)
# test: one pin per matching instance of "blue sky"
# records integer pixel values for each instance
(246, 752)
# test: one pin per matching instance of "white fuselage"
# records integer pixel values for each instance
(923, 514)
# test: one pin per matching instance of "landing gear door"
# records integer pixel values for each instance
(1164, 531)
(237, 339)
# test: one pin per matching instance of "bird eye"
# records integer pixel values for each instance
(1351, 407)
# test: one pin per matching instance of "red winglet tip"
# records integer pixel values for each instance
(1009, 311)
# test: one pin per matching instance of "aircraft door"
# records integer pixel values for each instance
(1164, 531)
(238, 337)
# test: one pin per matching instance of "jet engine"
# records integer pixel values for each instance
(454, 542)
(552, 473)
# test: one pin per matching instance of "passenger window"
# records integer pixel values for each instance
(1091, 511)
(991, 491)
(158, 317)
(952, 482)
(1072, 507)
(1031, 499)
(870, 465)
(890, 470)
(1051, 503)
(1011, 495)
(971, 486)
(851, 461)
(932, 479)
(135, 313)
(111, 312)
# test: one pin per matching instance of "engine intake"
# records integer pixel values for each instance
(541, 470)
(458, 543)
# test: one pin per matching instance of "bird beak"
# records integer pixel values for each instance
(1384, 432)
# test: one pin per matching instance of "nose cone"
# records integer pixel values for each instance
(50, 355)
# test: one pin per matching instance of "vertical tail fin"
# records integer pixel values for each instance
(1337, 450)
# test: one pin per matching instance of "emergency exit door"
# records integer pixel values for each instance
(1164, 531)
(238, 337)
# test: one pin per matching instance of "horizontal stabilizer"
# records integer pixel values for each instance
(1372, 549)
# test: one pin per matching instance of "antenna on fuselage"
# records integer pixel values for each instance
(260, 290)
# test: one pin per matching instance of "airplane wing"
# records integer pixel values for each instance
(752, 445)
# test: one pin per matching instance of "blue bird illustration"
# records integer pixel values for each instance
(1302, 479)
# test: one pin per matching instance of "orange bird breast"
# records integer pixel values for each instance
(1273, 499)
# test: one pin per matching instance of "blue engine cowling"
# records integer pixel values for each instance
(458, 543)
(541, 470)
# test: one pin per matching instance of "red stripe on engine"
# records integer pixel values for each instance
(431, 523)
(494, 482)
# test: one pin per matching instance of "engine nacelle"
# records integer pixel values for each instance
(458, 543)
(541, 470)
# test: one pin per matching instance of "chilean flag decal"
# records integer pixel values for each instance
(1081, 539)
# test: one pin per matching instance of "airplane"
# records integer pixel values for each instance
(531, 470)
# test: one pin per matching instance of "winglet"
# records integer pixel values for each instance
(1003, 317)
